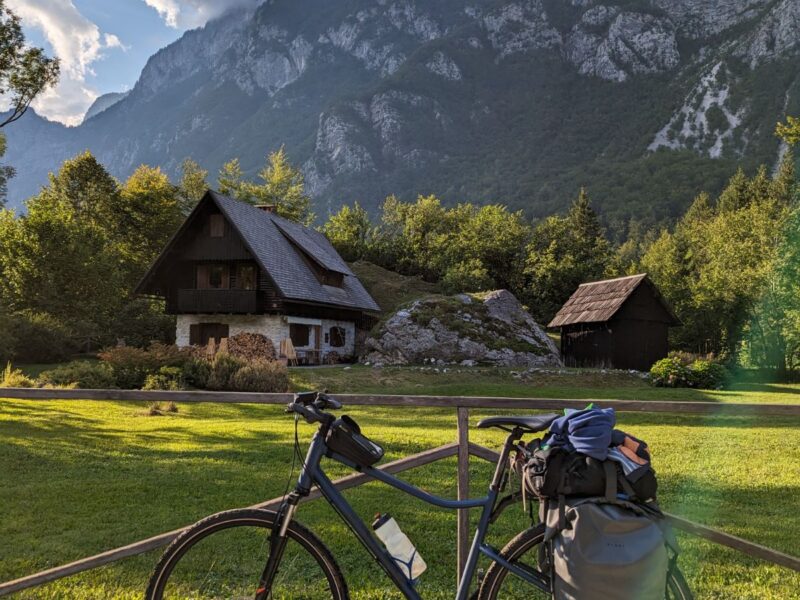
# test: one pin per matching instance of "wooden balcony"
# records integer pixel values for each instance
(217, 301)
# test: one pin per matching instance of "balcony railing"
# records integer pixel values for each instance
(217, 301)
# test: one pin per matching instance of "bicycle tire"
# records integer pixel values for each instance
(261, 522)
(530, 539)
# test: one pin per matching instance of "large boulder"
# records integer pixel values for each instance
(490, 328)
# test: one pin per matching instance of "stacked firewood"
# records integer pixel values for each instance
(251, 346)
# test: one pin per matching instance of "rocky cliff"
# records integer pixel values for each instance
(484, 100)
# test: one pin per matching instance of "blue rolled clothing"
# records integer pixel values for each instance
(588, 431)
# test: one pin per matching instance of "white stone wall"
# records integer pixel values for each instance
(275, 327)
(349, 337)
(272, 326)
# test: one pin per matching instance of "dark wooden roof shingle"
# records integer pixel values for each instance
(274, 242)
(599, 301)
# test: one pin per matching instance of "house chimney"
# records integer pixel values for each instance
(270, 208)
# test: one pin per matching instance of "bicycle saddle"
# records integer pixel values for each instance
(531, 423)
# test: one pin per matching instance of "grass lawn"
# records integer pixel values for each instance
(82, 477)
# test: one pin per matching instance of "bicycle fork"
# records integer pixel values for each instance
(277, 545)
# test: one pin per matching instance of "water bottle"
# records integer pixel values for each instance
(399, 546)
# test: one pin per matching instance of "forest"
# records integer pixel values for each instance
(729, 266)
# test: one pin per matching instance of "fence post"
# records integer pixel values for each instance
(463, 487)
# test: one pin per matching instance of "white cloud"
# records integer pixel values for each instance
(186, 14)
(78, 43)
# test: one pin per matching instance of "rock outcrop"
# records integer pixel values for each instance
(491, 328)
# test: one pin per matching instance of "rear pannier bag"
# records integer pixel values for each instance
(607, 551)
(345, 438)
(554, 471)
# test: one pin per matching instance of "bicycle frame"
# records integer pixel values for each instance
(312, 474)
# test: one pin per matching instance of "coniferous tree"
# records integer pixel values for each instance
(192, 186)
(564, 252)
(230, 180)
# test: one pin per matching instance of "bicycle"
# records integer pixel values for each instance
(266, 554)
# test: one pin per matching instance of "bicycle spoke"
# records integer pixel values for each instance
(229, 564)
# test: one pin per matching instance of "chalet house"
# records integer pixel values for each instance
(233, 267)
(617, 323)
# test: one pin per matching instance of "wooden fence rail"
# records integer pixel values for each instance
(462, 448)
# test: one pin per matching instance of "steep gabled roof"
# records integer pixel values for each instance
(599, 301)
(277, 245)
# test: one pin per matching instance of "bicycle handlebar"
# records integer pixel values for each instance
(311, 406)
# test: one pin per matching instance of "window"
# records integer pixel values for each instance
(299, 334)
(213, 277)
(217, 225)
(337, 337)
(246, 277)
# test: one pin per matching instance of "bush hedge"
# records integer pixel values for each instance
(39, 337)
(82, 374)
(701, 373)
(163, 367)
(261, 376)
(167, 378)
(707, 375)
(131, 365)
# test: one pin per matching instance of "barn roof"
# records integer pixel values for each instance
(599, 301)
(278, 245)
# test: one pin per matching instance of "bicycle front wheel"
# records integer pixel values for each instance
(223, 556)
(523, 552)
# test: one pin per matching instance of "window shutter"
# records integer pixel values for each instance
(203, 282)
(226, 277)
(194, 334)
(217, 225)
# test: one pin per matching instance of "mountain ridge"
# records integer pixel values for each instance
(519, 102)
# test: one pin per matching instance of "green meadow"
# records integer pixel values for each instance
(80, 477)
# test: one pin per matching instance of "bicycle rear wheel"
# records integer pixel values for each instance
(223, 556)
(523, 551)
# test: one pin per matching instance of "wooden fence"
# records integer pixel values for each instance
(462, 448)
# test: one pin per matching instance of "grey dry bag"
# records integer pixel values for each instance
(608, 551)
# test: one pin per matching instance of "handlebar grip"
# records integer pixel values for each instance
(330, 401)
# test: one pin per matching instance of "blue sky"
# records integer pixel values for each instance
(139, 28)
(103, 44)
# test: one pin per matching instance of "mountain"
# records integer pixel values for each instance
(645, 102)
(103, 102)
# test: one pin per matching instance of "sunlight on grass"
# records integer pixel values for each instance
(101, 474)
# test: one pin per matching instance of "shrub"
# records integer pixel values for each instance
(130, 366)
(196, 372)
(8, 341)
(261, 376)
(669, 372)
(169, 355)
(167, 378)
(223, 368)
(14, 378)
(40, 338)
(707, 374)
(83, 374)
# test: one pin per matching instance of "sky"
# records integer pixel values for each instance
(104, 44)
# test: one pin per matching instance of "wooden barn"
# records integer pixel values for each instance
(234, 268)
(616, 323)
